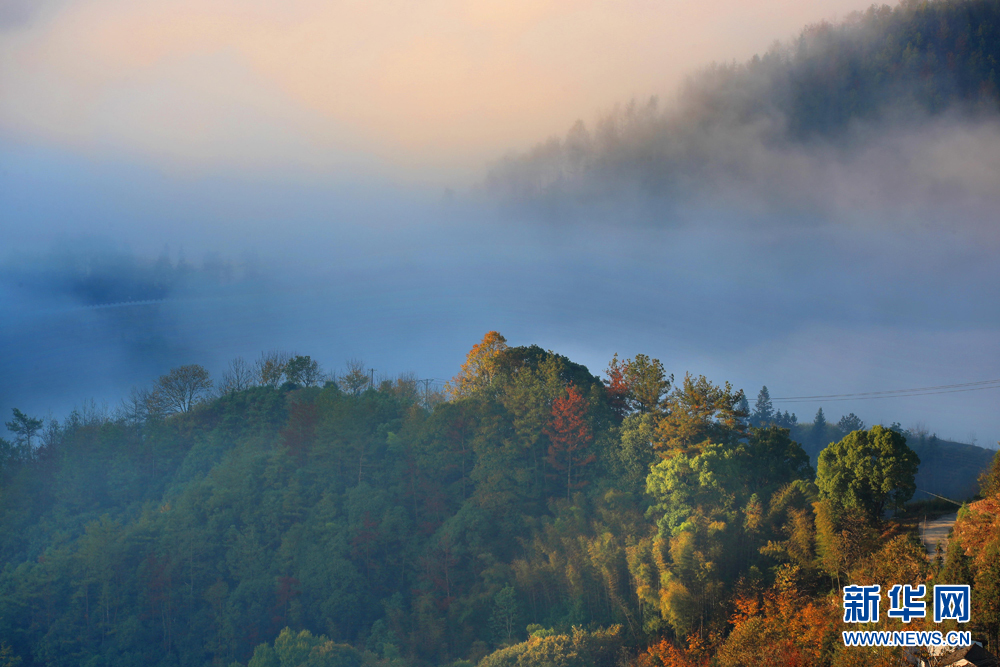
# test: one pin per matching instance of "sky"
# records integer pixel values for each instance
(424, 91)
(328, 156)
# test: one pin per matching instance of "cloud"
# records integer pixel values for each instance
(20, 13)
(442, 84)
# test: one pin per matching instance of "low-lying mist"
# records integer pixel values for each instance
(767, 228)
(409, 284)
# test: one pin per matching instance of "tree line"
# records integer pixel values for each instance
(540, 515)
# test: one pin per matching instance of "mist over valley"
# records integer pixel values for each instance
(598, 395)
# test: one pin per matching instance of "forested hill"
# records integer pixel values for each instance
(540, 516)
(884, 66)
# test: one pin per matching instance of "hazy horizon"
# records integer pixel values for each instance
(340, 153)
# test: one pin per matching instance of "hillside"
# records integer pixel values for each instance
(834, 91)
(540, 512)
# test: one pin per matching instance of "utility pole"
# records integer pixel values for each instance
(371, 384)
(427, 393)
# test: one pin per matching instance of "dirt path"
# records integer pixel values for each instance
(935, 531)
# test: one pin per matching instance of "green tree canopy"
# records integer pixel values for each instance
(24, 428)
(869, 471)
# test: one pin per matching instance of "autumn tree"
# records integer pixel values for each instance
(529, 390)
(270, 367)
(697, 413)
(480, 368)
(782, 626)
(182, 388)
(355, 379)
(989, 480)
(617, 387)
(570, 436)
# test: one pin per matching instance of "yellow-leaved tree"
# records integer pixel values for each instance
(480, 368)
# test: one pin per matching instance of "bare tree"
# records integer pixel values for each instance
(182, 388)
(407, 387)
(270, 368)
(238, 376)
(138, 407)
(355, 379)
(433, 396)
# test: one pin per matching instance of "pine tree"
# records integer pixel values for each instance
(744, 407)
(763, 410)
(24, 428)
(850, 422)
(647, 383)
(697, 413)
(819, 428)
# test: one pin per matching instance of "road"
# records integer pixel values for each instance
(935, 531)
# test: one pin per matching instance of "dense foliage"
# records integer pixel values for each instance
(540, 516)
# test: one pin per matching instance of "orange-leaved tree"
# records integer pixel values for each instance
(698, 413)
(617, 387)
(636, 385)
(570, 436)
(480, 368)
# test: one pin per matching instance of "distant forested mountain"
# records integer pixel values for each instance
(885, 67)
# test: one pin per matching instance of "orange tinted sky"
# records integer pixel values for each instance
(436, 87)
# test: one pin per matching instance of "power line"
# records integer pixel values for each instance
(896, 393)
(941, 497)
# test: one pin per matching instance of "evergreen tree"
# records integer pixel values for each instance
(24, 429)
(850, 422)
(744, 407)
(763, 410)
(785, 419)
(648, 383)
(818, 434)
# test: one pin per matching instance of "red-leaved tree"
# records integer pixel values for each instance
(617, 386)
(570, 436)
